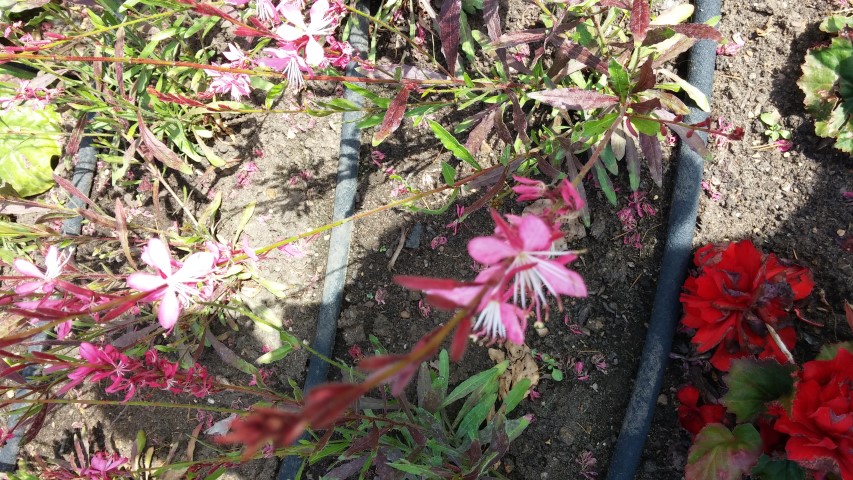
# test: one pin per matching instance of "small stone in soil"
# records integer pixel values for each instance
(414, 239)
(405, 315)
(567, 436)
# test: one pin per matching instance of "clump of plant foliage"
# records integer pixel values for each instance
(827, 82)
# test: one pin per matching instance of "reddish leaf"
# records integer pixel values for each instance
(519, 120)
(160, 150)
(366, 443)
(74, 191)
(121, 231)
(572, 51)
(175, 98)
(720, 454)
(119, 49)
(574, 98)
(848, 313)
(680, 47)
(640, 18)
(651, 151)
(393, 117)
(646, 77)
(513, 39)
(491, 15)
(500, 126)
(460, 339)
(623, 4)
(478, 134)
(73, 144)
(646, 106)
(699, 31)
(448, 31)
(426, 283)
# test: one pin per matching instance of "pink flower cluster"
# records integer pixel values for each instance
(298, 44)
(39, 96)
(128, 375)
(522, 268)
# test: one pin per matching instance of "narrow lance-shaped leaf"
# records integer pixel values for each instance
(645, 78)
(480, 132)
(574, 98)
(694, 93)
(604, 182)
(640, 18)
(450, 143)
(159, 149)
(652, 153)
(393, 117)
(448, 31)
(632, 159)
(699, 31)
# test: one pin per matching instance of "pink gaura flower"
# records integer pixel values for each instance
(47, 279)
(526, 244)
(783, 145)
(174, 289)
(235, 84)
(321, 24)
(103, 466)
(286, 59)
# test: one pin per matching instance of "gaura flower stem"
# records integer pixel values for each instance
(134, 403)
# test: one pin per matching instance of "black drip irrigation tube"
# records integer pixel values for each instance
(336, 264)
(84, 171)
(676, 257)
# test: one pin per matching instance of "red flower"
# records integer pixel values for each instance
(739, 298)
(821, 420)
(772, 440)
(693, 417)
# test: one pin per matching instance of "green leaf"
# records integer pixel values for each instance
(370, 121)
(694, 93)
(275, 355)
(828, 352)
(779, 469)
(836, 23)
(475, 382)
(609, 159)
(720, 454)
(597, 126)
(619, 80)
(516, 395)
(828, 85)
(470, 425)
(273, 94)
(448, 173)
(649, 127)
(754, 383)
(376, 99)
(15, 6)
(28, 141)
(605, 183)
(449, 141)
(557, 375)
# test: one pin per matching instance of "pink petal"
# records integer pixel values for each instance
(156, 254)
(89, 353)
(63, 329)
(27, 268)
(28, 287)
(196, 267)
(169, 311)
(145, 282)
(490, 250)
(535, 234)
(564, 281)
(314, 53)
(318, 12)
(461, 296)
(290, 33)
(293, 14)
(51, 260)
(514, 328)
